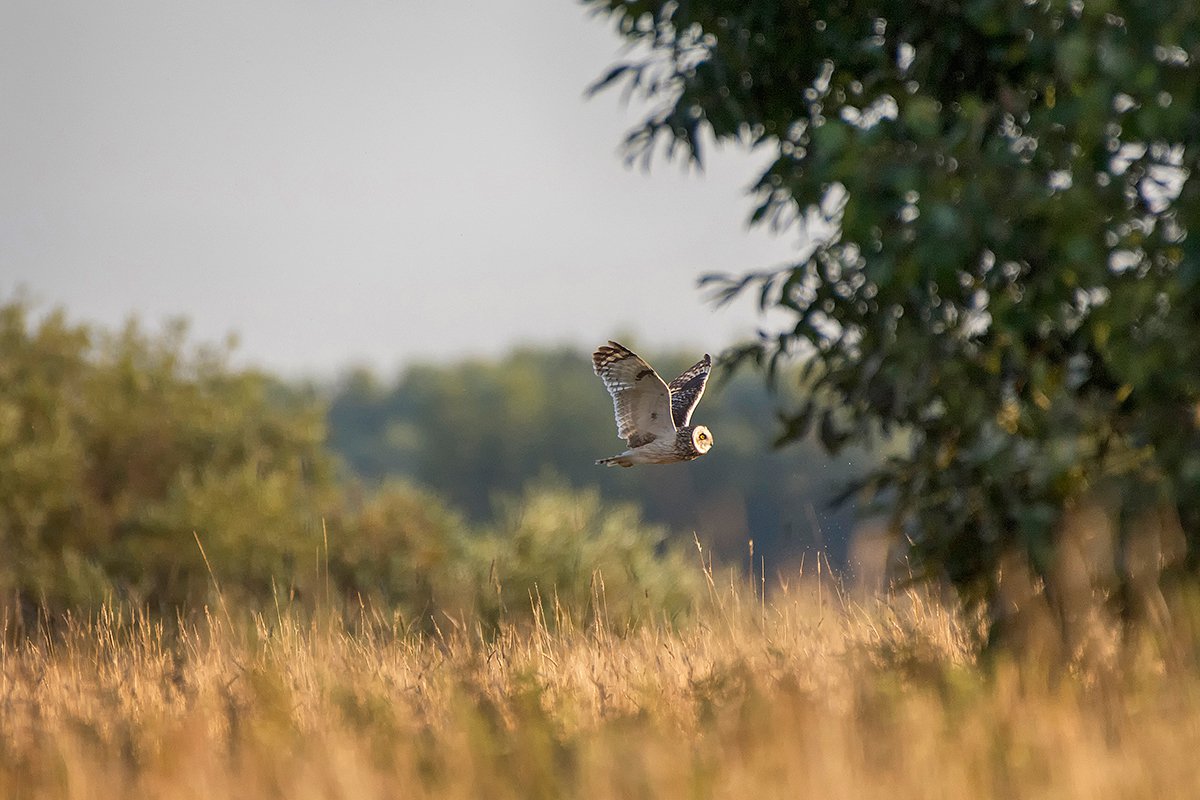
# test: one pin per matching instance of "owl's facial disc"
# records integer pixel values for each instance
(702, 439)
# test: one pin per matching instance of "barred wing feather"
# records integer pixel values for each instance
(687, 389)
(641, 400)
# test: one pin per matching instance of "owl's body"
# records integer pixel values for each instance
(681, 447)
(652, 417)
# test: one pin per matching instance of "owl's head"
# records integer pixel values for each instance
(702, 439)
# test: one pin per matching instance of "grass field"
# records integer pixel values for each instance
(812, 693)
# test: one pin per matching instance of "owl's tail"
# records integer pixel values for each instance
(616, 461)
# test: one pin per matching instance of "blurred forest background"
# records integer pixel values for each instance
(139, 466)
(477, 429)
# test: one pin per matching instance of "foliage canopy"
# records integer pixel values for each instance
(1001, 224)
(118, 450)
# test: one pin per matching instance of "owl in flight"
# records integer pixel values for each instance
(652, 416)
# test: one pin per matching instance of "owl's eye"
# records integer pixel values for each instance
(703, 436)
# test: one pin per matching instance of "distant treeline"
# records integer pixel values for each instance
(473, 429)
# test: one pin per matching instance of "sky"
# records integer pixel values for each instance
(356, 183)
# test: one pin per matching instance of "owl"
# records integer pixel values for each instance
(653, 417)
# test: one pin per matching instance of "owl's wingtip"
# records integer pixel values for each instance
(608, 353)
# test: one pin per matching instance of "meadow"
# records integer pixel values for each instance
(817, 690)
(193, 604)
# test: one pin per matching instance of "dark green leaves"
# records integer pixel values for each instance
(1009, 274)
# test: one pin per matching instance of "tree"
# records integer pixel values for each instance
(1001, 218)
(118, 451)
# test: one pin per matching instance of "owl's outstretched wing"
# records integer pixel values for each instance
(686, 390)
(641, 401)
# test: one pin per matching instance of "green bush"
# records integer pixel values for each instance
(400, 546)
(118, 451)
(556, 550)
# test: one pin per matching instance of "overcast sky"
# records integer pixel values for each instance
(353, 182)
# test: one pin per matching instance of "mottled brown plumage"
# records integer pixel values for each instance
(652, 417)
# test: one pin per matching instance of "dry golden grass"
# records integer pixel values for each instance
(811, 694)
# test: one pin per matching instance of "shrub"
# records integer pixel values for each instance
(556, 550)
(118, 451)
(401, 547)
